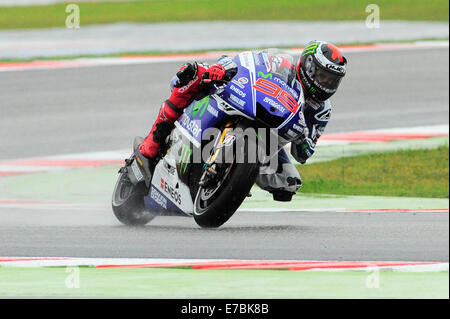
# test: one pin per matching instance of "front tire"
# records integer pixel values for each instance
(215, 205)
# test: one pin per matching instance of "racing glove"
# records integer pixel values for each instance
(186, 74)
(303, 148)
(302, 151)
(215, 72)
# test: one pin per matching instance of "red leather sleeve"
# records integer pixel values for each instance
(183, 96)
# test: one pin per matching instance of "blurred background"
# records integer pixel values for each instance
(110, 27)
(80, 79)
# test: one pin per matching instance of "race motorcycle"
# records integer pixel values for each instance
(210, 188)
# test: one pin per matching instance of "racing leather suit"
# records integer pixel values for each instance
(286, 180)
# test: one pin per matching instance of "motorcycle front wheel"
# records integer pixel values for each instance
(214, 205)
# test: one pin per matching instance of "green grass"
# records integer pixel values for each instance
(221, 284)
(196, 10)
(410, 173)
(418, 173)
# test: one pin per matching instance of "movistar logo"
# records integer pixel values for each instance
(266, 76)
(200, 106)
(312, 48)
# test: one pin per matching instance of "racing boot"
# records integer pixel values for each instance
(153, 142)
(146, 164)
(162, 127)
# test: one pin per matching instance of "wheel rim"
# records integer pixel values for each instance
(123, 191)
(207, 195)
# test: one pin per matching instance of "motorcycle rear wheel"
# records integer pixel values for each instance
(128, 202)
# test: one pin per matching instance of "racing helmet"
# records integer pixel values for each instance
(320, 70)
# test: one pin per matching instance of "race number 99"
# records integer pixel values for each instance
(278, 93)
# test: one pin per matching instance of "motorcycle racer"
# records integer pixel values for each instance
(320, 70)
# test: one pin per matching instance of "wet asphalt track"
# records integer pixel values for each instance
(247, 235)
(103, 108)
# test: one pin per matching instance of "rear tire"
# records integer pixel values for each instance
(128, 202)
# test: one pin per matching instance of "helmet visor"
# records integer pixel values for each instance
(325, 80)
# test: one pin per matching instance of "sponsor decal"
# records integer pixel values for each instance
(168, 189)
(280, 81)
(301, 119)
(158, 198)
(191, 126)
(243, 80)
(238, 84)
(228, 141)
(170, 169)
(136, 171)
(312, 48)
(313, 104)
(274, 104)
(323, 88)
(240, 103)
(291, 133)
(212, 111)
(187, 87)
(298, 128)
(336, 68)
(186, 153)
(265, 76)
(200, 107)
(237, 91)
(286, 87)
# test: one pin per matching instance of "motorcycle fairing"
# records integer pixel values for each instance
(197, 117)
(168, 194)
(263, 95)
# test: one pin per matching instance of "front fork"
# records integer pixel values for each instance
(212, 169)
